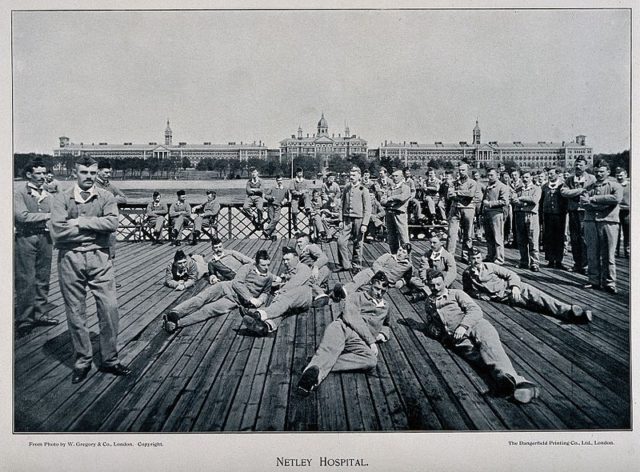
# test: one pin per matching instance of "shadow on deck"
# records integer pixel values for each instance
(214, 376)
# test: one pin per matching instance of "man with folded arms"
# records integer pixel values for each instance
(249, 289)
(274, 199)
(491, 282)
(455, 320)
(554, 209)
(356, 211)
(396, 202)
(156, 214)
(297, 294)
(180, 213)
(83, 217)
(208, 211)
(525, 207)
(254, 198)
(350, 342)
(461, 193)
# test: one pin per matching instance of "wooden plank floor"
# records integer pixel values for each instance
(216, 376)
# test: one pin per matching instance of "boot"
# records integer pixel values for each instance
(194, 240)
(294, 222)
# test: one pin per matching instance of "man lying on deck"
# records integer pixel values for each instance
(225, 262)
(298, 293)
(436, 257)
(313, 256)
(249, 288)
(396, 267)
(350, 342)
(455, 320)
(489, 281)
(184, 271)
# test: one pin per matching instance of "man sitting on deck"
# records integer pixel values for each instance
(298, 293)
(249, 288)
(436, 257)
(313, 256)
(489, 281)
(455, 320)
(350, 342)
(225, 263)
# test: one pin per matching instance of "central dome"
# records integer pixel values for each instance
(323, 122)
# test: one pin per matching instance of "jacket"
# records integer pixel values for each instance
(449, 311)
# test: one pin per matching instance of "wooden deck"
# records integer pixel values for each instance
(214, 376)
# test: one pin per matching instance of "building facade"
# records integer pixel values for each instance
(194, 152)
(532, 155)
(322, 144)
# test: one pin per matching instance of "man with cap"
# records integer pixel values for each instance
(623, 180)
(351, 342)
(554, 210)
(455, 320)
(82, 219)
(396, 202)
(356, 211)
(103, 181)
(330, 186)
(299, 192)
(180, 213)
(494, 203)
(254, 198)
(249, 288)
(573, 187)
(156, 214)
(488, 281)
(184, 271)
(32, 211)
(601, 203)
(298, 292)
(314, 257)
(377, 220)
(462, 211)
(436, 257)
(382, 184)
(208, 211)
(274, 199)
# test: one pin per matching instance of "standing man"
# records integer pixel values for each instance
(350, 342)
(414, 208)
(514, 184)
(254, 198)
(156, 214)
(274, 198)
(396, 202)
(554, 210)
(491, 282)
(525, 206)
(82, 219)
(32, 210)
(299, 191)
(601, 203)
(477, 200)
(573, 187)
(462, 211)
(208, 212)
(179, 212)
(621, 177)
(382, 184)
(455, 320)
(103, 181)
(356, 211)
(494, 202)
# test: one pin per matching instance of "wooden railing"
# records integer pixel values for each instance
(232, 223)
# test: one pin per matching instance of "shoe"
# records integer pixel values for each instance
(257, 326)
(580, 315)
(274, 238)
(79, 374)
(193, 242)
(535, 269)
(506, 385)
(254, 314)
(591, 286)
(45, 321)
(525, 392)
(578, 270)
(339, 292)
(611, 290)
(487, 259)
(354, 270)
(116, 369)
(320, 300)
(498, 263)
(170, 323)
(309, 380)
(551, 264)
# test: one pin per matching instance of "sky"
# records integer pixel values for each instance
(544, 75)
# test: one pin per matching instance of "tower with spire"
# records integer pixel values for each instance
(168, 134)
(346, 130)
(299, 131)
(323, 127)
(476, 134)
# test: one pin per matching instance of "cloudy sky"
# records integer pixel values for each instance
(392, 75)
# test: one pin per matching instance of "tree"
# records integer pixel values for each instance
(620, 159)
(186, 163)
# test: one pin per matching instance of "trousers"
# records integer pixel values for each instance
(578, 242)
(554, 229)
(273, 214)
(461, 218)
(342, 350)
(536, 300)
(494, 234)
(528, 229)
(350, 232)
(31, 276)
(93, 270)
(293, 301)
(156, 223)
(397, 230)
(601, 240)
(482, 346)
